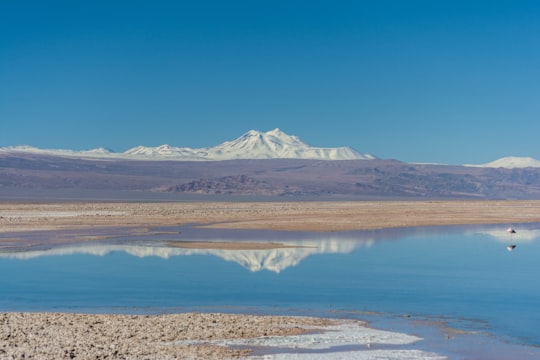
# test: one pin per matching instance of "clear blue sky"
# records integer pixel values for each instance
(429, 81)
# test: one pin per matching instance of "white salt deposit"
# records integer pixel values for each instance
(320, 345)
(343, 334)
(356, 355)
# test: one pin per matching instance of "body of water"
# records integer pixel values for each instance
(461, 277)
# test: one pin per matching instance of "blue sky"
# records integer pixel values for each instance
(429, 81)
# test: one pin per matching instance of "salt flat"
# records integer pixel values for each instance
(292, 216)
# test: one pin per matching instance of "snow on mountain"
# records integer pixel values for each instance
(164, 152)
(101, 151)
(511, 162)
(274, 144)
(277, 144)
(95, 153)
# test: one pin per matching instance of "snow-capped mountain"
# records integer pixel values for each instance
(511, 162)
(277, 144)
(274, 144)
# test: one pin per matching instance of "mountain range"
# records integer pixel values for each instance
(269, 165)
(274, 144)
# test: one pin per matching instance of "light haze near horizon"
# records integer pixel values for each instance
(419, 81)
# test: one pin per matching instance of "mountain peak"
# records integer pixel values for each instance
(276, 144)
(277, 133)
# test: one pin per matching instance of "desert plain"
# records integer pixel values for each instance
(290, 216)
(186, 336)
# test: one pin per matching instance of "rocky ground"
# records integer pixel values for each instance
(91, 336)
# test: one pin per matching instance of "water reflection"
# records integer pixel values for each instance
(459, 272)
(274, 260)
(290, 249)
(521, 236)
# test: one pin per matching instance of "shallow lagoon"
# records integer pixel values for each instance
(462, 279)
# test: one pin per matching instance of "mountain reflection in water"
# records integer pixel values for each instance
(289, 250)
(450, 273)
(276, 259)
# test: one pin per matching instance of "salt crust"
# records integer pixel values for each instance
(345, 333)
(356, 355)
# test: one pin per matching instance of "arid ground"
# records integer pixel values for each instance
(292, 216)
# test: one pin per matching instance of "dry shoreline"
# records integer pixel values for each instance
(174, 336)
(95, 221)
(289, 216)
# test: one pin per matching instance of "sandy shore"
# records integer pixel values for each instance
(91, 221)
(292, 216)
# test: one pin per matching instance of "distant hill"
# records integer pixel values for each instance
(29, 175)
(512, 162)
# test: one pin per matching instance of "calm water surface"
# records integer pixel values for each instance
(462, 275)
